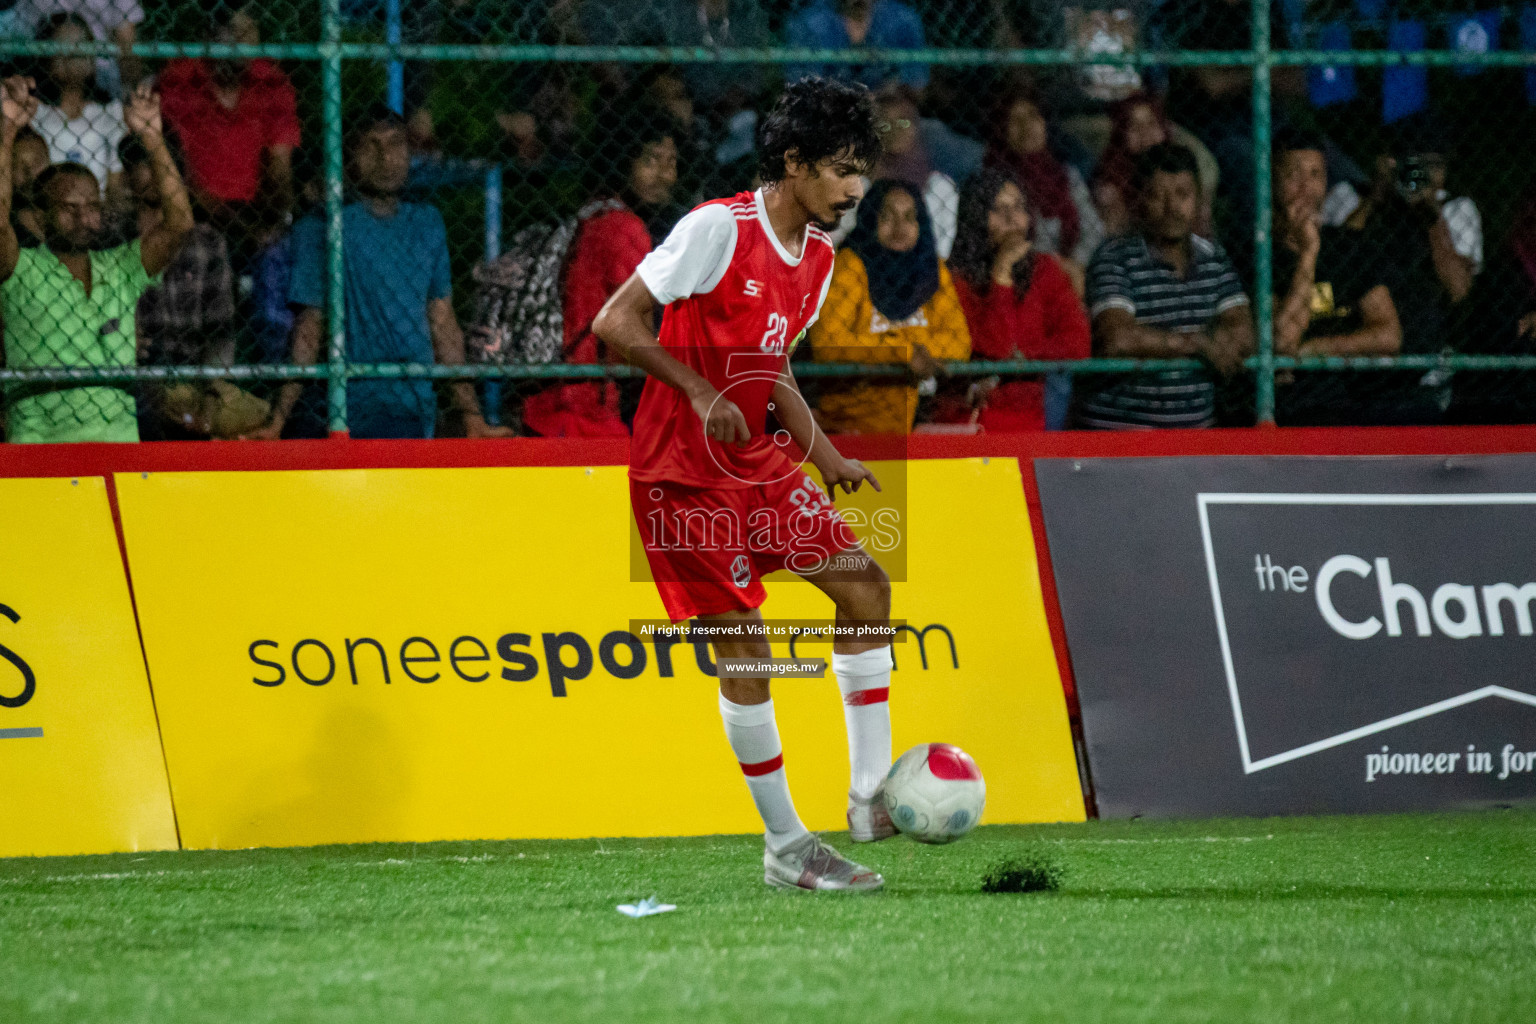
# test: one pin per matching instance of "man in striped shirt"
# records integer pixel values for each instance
(1164, 293)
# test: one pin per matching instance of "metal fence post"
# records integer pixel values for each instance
(490, 400)
(396, 69)
(1263, 215)
(330, 50)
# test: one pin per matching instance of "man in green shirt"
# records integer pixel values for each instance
(68, 305)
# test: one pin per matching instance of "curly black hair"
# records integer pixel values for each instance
(973, 252)
(817, 119)
(624, 129)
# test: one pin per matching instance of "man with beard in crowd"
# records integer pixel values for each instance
(1164, 293)
(399, 301)
(66, 303)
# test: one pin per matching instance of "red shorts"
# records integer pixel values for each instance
(709, 548)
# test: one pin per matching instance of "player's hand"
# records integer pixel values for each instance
(848, 474)
(722, 420)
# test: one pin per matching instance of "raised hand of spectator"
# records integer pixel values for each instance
(1527, 326)
(19, 102)
(142, 113)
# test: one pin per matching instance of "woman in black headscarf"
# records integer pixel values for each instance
(891, 301)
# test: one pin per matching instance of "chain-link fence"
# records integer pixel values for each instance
(399, 219)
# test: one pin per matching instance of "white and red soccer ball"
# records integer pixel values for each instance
(935, 793)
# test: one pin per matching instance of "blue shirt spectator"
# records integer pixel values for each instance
(394, 266)
(396, 290)
(855, 24)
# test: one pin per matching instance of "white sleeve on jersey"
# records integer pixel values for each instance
(694, 257)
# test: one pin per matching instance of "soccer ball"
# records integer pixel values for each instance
(935, 793)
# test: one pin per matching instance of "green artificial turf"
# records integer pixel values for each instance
(1408, 918)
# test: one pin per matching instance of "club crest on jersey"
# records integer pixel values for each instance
(753, 288)
(741, 573)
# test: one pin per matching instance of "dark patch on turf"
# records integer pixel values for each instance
(1029, 871)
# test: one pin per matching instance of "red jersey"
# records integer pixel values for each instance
(736, 304)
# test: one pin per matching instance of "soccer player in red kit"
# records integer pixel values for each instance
(718, 501)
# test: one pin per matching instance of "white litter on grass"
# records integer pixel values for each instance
(645, 908)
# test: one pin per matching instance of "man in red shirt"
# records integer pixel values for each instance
(237, 123)
(718, 501)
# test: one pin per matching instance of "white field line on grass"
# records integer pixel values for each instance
(114, 876)
(391, 862)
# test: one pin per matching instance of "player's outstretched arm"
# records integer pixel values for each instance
(794, 413)
(624, 325)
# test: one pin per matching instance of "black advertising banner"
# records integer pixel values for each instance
(1294, 635)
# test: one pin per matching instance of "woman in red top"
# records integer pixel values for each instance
(1019, 303)
(610, 242)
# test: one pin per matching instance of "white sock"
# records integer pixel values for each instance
(865, 680)
(754, 737)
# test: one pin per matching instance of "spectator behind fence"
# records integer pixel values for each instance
(29, 155)
(1164, 293)
(856, 24)
(237, 122)
(1436, 240)
(905, 158)
(115, 20)
(891, 301)
(1333, 297)
(719, 88)
(663, 87)
(1522, 248)
(81, 123)
(1100, 27)
(1137, 124)
(1065, 221)
(611, 239)
(271, 322)
(1019, 302)
(399, 306)
(68, 304)
(185, 320)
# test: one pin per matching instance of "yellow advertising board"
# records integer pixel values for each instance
(79, 750)
(363, 655)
